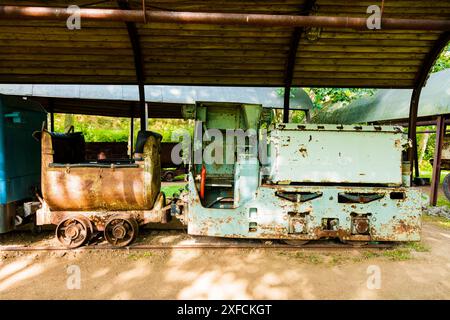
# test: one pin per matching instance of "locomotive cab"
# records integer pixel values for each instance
(317, 181)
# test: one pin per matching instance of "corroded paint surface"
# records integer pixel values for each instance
(336, 154)
(97, 188)
(272, 216)
(158, 214)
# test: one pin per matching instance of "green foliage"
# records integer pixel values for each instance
(443, 62)
(110, 129)
(326, 96)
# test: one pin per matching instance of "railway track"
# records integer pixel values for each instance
(318, 246)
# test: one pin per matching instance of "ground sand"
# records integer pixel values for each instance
(227, 274)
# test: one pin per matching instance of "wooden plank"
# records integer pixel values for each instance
(368, 43)
(218, 45)
(359, 62)
(150, 59)
(379, 35)
(72, 37)
(66, 44)
(163, 40)
(358, 55)
(66, 58)
(64, 79)
(214, 66)
(67, 71)
(356, 68)
(352, 83)
(231, 81)
(212, 73)
(355, 75)
(67, 51)
(365, 49)
(85, 32)
(105, 64)
(198, 53)
(230, 28)
(243, 33)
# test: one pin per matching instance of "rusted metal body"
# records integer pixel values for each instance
(321, 181)
(270, 216)
(54, 13)
(99, 190)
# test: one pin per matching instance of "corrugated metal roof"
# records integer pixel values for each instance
(196, 54)
(164, 101)
(393, 104)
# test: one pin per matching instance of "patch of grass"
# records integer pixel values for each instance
(337, 259)
(171, 189)
(442, 201)
(315, 259)
(398, 254)
(427, 174)
(440, 221)
(304, 257)
(370, 254)
(417, 246)
(135, 256)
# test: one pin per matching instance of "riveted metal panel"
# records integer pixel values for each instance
(336, 154)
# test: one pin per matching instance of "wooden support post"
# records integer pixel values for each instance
(436, 176)
(413, 109)
(287, 96)
(52, 122)
(143, 111)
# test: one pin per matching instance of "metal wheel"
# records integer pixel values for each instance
(356, 244)
(446, 186)
(295, 243)
(73, 232)
(121, 231)
(169, 177)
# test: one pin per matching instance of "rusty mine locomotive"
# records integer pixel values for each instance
(317, 181)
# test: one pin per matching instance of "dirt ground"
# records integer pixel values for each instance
(420, 271)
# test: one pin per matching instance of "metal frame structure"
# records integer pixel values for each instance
(420, 83)
(290, 63)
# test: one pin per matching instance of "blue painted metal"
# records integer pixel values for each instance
(268, 216)
(321, 182)
(19, 155)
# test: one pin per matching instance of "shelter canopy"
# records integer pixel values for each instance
(163, 101)
(393, 104)
(45, 51)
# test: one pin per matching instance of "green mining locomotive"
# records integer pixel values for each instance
(316, 181)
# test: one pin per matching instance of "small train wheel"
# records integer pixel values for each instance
(295, 243)
(446, 186)
(73, 232)
(356, 243)
(121, 231)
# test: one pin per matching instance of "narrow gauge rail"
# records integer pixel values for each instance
(309, 246)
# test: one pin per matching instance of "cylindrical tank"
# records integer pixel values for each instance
(100, 186)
